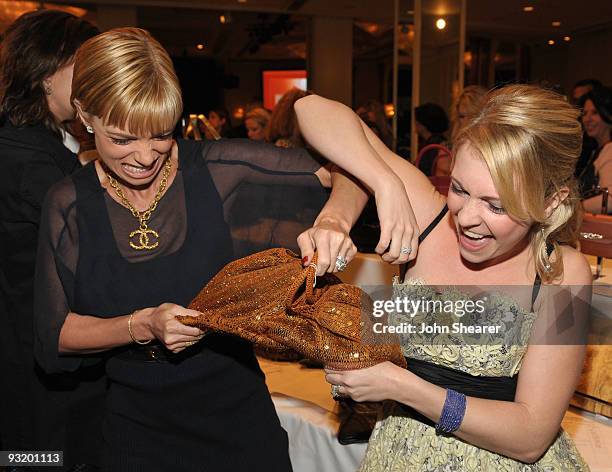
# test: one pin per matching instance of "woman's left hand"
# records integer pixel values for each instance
(330, 240)
(371, 384)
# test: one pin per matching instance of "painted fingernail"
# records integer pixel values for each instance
(304, 260)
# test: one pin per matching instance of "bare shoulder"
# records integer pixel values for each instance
(576, 268)
(603, 163)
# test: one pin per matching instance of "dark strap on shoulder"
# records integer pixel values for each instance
(537, 283)
(423, 235)
(433, 224)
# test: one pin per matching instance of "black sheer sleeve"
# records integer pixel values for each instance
(270, 194)
(236, 161)
(56, 261)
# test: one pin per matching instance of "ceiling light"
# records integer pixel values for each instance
(528, 8)
(556, 23)
(440, 23)
(199, 47)
(239, 113)
(567, 38)
(242, 1)
(551, 42)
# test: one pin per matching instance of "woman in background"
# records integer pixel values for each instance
(468, 105)
(283, 129)
(597, 122)
(256, 122)
(37, 412)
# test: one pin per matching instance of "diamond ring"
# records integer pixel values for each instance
(341, 263)
(405, 250)
(335, 392)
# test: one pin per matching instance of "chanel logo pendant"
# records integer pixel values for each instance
(145, 239)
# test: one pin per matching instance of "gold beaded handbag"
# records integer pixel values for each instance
(269, 299)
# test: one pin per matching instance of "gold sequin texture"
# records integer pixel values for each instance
(268, 298)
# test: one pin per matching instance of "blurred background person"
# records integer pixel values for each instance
(220, 120)
(581, 88)
(597, 122)
(37, 411)
(283, 129)
(589, 145)
(468, 104)
(431, 126)
(372, 113)
(256, 122)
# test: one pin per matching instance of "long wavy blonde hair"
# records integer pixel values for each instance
(126, 78)
(530, 139)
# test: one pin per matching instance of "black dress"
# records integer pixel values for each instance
(37, 411)
(209, 408)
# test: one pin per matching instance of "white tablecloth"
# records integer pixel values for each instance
(308, 414)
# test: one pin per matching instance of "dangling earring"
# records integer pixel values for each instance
(47, 88)
(89, 129)
(547, 266)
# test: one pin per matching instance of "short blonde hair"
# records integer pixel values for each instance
(530, 139)
(126, 78)
(259, 115)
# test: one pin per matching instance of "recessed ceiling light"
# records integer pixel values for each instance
(567, 38)
(440, 23)
(556, 23)
(199, 46)
(242, 1)
(551, 42)
(528, 8)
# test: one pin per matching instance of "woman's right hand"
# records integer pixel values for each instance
(331, 240)
(399, 231)
(163, 325)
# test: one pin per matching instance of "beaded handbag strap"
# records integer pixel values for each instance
(308, 275)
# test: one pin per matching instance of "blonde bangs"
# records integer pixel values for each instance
(145, 110)
(516, 171)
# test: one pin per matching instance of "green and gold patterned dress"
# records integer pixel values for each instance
(402, 443)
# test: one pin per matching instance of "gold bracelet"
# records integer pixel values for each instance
(132, 334)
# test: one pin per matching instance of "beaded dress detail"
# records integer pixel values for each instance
(402, 443)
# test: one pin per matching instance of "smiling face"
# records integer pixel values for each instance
(486, 233)
(134, 160)
(254, 129)
(594, 125)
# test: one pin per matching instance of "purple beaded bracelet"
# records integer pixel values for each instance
(452, 412)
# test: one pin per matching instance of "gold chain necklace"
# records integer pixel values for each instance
(145, 237)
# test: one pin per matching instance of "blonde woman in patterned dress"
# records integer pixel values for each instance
(510, 220)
